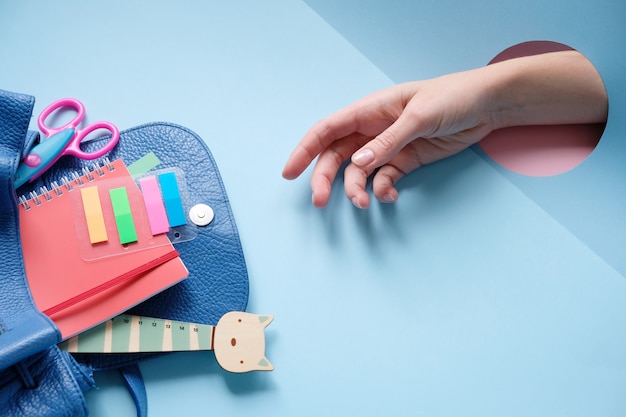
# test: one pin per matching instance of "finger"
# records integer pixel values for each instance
(321, 186)
(417, 153)
(297, 162)
(406, 161)
(387, 144)
(328, 165)
(355, 180)
(319, 137)
(384, 183)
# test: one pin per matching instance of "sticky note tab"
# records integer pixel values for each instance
(172, 199)
(123, 215)
(154, 205)
(93, 214)
(143, 164)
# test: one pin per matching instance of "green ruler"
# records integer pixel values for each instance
(238, 339)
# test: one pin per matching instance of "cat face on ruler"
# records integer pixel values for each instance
(239, 342)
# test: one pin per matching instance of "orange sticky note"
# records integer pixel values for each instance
(93, 214)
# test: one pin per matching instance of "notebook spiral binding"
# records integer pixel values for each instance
(67, 185)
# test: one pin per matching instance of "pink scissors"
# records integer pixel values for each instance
(63, 140)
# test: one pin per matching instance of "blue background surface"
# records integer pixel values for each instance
(480, 292)
(469, 34)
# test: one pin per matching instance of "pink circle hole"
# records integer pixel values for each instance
(540, 151)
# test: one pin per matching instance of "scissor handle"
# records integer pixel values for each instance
(64, 102)
(73, 148)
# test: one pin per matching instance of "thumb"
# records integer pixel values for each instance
(386, 145)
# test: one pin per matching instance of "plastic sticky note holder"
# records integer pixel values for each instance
(110, 218)
(122, 214)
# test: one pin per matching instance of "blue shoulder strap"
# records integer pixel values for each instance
(137, 388)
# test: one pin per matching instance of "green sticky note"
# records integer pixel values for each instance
(143, 164)
(123, 215)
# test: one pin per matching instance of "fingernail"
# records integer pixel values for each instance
(314, 200)
(355, 201)
(389, 198)
(363, 157)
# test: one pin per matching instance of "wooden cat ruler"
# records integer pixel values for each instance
(238, 339)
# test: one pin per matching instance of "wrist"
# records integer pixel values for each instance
(553, 88)
(506, 96)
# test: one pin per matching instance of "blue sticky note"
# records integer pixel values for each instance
(172, 199)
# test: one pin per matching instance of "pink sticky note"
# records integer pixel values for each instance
(155, 208)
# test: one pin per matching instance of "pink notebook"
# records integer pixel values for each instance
(79, 284)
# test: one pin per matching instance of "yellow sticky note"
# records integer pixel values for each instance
(93, 214)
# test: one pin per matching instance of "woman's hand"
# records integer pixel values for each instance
(395, 131)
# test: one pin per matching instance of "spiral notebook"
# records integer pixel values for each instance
(79, 284)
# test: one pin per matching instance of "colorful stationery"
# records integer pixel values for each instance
(93, 214)
(238, 339)
(154, 205)
(172, 199)
(123, 215)
(79, 281)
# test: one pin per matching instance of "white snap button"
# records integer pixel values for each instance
(201, 214)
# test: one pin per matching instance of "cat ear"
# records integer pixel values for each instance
(265, 319)
(265, 365)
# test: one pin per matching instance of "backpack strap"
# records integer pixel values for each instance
(134, 381)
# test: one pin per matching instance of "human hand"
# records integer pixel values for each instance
(396, 131)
